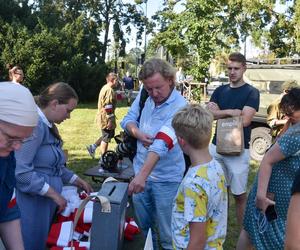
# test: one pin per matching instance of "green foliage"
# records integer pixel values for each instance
(196, 33)
(203, 29)
(59, 41)
(49, 55)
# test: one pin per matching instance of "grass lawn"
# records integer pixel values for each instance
(81, 130)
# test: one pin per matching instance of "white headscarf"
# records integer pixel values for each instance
(17, 105)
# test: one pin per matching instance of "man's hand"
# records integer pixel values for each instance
(212, 106)
(145, 139)
(219, 114)
(235, 112)
(109, 125)
(137, 185)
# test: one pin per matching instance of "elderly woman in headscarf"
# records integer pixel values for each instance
(18, 117)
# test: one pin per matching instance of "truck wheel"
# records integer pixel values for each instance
(259, 143)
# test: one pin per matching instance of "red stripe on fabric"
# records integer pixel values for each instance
(167, 139)
(54, 234)
(12, 203)
(108, 110)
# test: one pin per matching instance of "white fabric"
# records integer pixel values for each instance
(44, 118)
(73, 201)
(87, 215)
(17, 105)
(65, 234)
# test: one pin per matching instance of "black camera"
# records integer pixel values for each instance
(126, 145)
(110, 161)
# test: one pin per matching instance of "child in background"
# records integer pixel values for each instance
(199, 216)
(15, 73)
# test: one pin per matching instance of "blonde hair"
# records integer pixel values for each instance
(194, 124)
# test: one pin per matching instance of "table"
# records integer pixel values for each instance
(125, 174)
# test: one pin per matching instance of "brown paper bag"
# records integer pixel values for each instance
(230, 136)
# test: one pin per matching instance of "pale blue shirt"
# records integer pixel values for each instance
(156, 122)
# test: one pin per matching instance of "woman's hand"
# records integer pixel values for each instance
(83, 185)
(61, 203)
(262, 202)
(57, 198)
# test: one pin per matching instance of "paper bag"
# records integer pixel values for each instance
(230, 136)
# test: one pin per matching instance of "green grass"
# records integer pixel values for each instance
(81, 130)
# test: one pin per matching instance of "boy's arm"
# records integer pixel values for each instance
(196, 213)
(197, 235)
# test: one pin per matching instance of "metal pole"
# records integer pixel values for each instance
(145, 48)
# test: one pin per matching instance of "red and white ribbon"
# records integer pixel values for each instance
(108, 108)
(13, 200)
(168, 136)
(60, 234)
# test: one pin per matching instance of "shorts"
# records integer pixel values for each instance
(11, 213)
(107, 135)
(236, 169)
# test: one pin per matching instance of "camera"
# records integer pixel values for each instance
(126, 145)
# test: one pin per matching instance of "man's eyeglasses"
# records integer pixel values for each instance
(11, 140)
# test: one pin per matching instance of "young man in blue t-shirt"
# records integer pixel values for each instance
(235, 99)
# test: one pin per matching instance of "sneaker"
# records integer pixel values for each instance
(91, 150)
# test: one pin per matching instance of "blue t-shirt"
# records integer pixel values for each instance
(128, 81)
(8, 209)
(236, 98)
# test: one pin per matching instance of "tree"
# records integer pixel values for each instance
(112, 12)
(204, 29)
(195, 33)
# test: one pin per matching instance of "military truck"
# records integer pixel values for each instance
(268, 78)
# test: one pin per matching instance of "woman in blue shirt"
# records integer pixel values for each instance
(41, 170)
